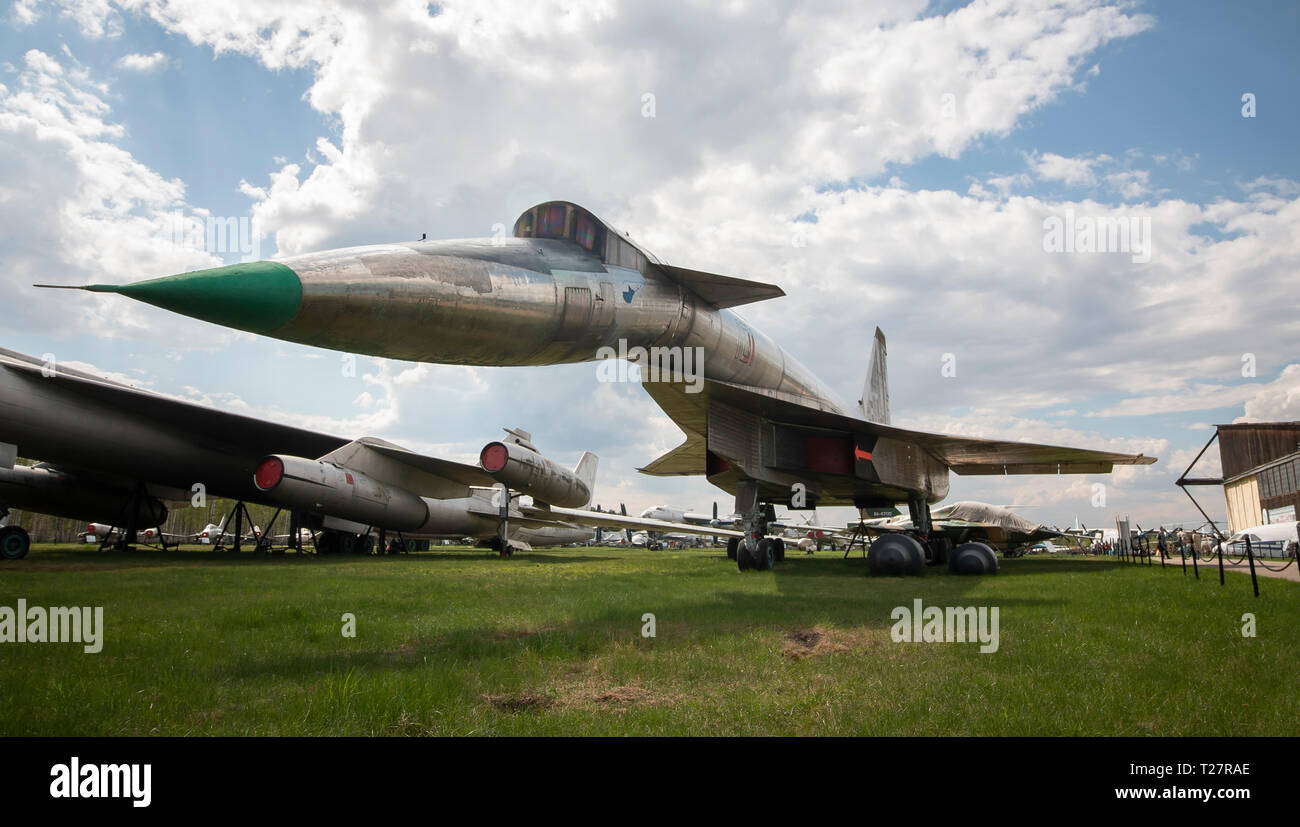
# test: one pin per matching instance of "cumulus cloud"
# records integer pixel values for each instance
(415, 138)
(1071, 171)
(74, 206)
(1278, 401)
(136, 62)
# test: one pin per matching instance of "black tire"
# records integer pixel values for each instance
(329, 542)
(765, 554)
(895, 554)
(744, 558)
(15, 542)
(778, 550)
(732, 543)
(973, 558)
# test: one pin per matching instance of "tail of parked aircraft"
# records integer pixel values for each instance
(874, 404)
(586, 470)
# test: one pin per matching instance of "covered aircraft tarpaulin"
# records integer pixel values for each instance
(975, 512)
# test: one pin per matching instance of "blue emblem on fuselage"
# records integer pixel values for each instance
(629, 293)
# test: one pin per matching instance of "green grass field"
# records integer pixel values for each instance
(459, 642)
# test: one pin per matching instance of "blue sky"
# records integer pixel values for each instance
(449, 123)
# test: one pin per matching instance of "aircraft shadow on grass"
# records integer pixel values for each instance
(800, 603)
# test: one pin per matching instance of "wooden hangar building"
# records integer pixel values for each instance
(1261, 472)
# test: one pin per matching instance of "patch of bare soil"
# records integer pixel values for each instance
(820, 641)
(520, 701)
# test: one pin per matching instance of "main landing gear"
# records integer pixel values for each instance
(756, 550)
(910, 553)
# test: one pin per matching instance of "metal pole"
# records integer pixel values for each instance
(1254, 581)
(1220, 562)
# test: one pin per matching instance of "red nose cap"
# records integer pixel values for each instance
(493, 457)
(269, 473)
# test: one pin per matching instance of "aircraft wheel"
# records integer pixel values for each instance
(895, 554)
(744, 558)
(328, 542)
(973, 558)
(15, 542)
(765, 554)
(732, 543)
(778, 550)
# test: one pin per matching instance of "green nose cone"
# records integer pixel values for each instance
(259, 296)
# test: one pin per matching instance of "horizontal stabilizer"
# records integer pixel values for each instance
(684, 460)
(722, 291)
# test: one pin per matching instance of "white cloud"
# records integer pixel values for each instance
(75, 206)
(1074, 172)
(1282, 186)
(136, 62)
(556, 66)
(1278, 401)
(1271, 401)
(1130, 184)
(95, 18)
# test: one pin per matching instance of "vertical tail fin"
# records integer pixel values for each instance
(586, 470)
(874, 404)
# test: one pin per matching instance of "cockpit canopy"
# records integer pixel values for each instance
(563, 220)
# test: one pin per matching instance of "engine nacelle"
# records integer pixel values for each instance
(528, 472)
(322, 487)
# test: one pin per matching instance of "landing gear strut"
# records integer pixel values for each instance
(755, 551)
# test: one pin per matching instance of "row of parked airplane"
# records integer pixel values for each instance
(116, 455)
(211, 534)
